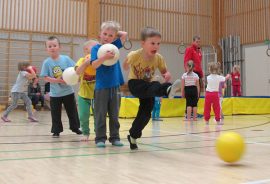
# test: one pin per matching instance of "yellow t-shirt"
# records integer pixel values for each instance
(144, 69)
(87, 80)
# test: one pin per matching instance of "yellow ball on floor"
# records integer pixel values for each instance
(230, 146)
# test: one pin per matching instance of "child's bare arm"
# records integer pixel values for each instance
(99, 61)
(228, 76)
(122, 35)
(183, 88)
(80, 69)
(166, 75)
(54, 80)
(31, 75)
(198, 87)
(126, 65)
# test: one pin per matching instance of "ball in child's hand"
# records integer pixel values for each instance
(70, 76)
(109, 48)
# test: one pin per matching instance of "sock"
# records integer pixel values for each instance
(132, 140)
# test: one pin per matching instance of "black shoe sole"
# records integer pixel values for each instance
(77, 132)
(56, 135)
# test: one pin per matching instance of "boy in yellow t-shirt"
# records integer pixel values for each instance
(143, 63)
(86, 90)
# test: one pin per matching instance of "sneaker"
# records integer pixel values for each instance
(132, 146)
(221, 122)
(173, 88)
(100, 145)
(117, 143)
(199, 116)
(5, 119)
(77, 131)
(55, 135)
(32, 119)
(158, 119)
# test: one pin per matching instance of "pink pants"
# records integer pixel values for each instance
(211, 98)
(236, 90)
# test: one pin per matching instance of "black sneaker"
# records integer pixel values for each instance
(55, 135)
(132, 146)
(77, 131)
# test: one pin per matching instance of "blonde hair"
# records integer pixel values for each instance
(91, 41)
(236, 68)
(110, 25)
(214, 67)
(190, 65)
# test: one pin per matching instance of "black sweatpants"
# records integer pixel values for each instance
(71, 109)
(146, 92)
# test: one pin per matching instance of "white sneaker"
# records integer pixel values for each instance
(174, 88)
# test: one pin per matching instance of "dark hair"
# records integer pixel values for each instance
(23, 65)
(196, 37)
(149, 32)
(50, 38)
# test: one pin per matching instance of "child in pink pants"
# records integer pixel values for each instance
(211, 95)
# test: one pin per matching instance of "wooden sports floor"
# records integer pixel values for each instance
(170, 152)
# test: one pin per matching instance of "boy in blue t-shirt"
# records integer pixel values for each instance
(108, 80)
(60, 92)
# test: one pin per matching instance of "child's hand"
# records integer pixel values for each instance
(183, 95)
(87, 60)
(167, 76)
(228, 76)
(109, 55)
(61, 81)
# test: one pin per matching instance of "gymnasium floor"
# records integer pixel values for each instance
(172, 151)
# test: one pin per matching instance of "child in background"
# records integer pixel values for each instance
(143, 63)
(60, 92)
(34, 93)
(108, 80)
(190, 89)
(236, 81)
(19, 89)
(212, 90)
(86, 90)
(221, 91)
(156, 109)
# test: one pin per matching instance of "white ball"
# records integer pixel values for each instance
(112, 48)
(70, 76)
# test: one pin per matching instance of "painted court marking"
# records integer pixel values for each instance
(258, 182)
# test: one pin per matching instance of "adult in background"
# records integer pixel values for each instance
(194, 53)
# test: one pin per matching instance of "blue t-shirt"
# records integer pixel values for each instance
(54, 68)
(108, 76)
